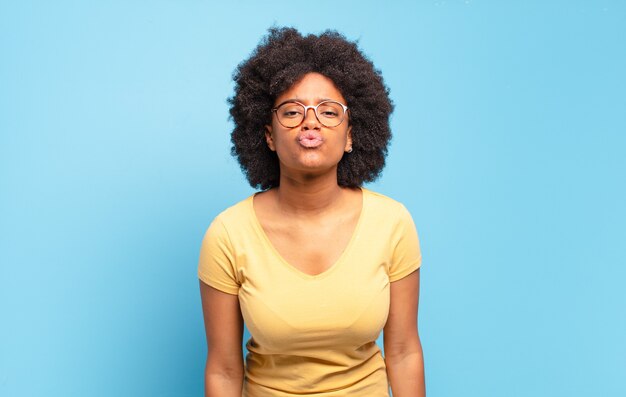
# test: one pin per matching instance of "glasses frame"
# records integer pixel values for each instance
(314, 107)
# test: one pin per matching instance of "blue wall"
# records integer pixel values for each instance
(508, 150)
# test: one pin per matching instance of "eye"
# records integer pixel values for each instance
(290, 111)
(329, 110)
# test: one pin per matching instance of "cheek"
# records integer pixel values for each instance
(343, 136)
(280, 136)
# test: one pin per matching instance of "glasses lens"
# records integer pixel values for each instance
(330, 113)
(290, 114)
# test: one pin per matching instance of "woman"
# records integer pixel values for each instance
(315, 264)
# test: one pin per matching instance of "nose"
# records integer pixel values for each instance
(310, 120)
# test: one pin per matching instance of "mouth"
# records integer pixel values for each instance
(310, 140)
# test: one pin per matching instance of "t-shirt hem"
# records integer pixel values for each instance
(223, 288)
(410, 269)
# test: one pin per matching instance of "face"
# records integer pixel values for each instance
(309, 147)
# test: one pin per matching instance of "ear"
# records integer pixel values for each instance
(269, 139)
(349, 140)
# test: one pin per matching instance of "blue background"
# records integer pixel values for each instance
(508, 149)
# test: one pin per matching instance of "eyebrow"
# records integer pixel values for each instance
(319, 100)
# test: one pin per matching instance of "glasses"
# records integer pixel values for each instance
(329, 113)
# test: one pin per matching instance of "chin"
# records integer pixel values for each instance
(317, 161)
(312, 162)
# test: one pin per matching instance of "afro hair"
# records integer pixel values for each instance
(281, 59)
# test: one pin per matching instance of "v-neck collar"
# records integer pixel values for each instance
(344, 253)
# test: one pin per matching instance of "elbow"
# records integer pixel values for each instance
(399, 352)
(223, 380)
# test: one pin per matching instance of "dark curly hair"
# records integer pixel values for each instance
(281, 59)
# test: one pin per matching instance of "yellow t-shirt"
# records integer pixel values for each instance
(312, 335)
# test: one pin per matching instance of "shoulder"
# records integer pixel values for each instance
(230, 220)
(235, 213)
(389, 214)
(385, 205)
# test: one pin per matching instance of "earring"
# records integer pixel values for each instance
(350, 150)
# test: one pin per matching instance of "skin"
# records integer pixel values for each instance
(309, 202)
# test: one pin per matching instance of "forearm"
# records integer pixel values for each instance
(406, 374)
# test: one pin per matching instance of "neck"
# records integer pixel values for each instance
(308, 195)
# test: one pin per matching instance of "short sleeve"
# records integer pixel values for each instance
(216, 266)
(407, 256)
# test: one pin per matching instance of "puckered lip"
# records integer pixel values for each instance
(310, 139)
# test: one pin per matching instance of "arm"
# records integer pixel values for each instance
(223, 323)
(403, 349)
